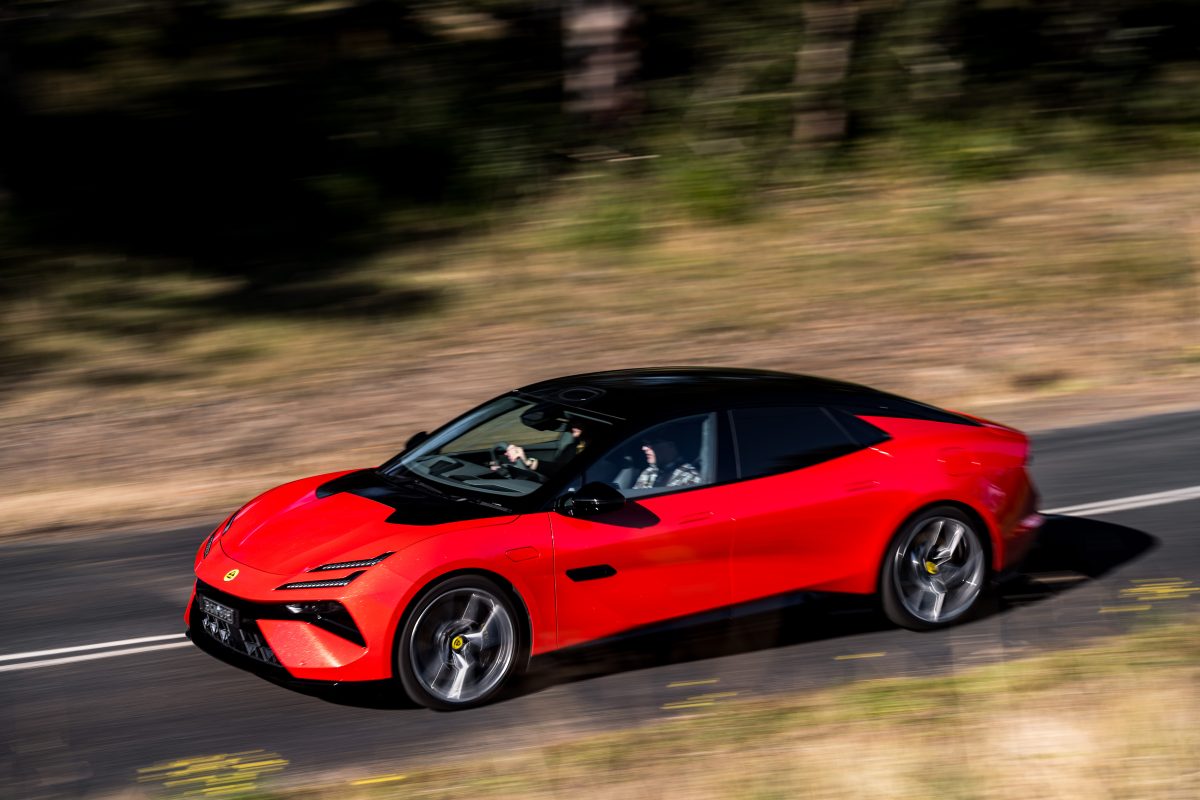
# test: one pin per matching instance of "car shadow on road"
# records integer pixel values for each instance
(1071, 552)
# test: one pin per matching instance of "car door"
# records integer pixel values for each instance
(665, 554)
(805, 501)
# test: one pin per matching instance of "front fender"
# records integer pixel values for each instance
(520, 554)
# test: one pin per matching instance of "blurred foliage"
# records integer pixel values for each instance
(274, 140)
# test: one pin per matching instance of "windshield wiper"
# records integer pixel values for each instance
(487, 503)
(411, 480)
(441, 494)
(395, 480)
(429, 488)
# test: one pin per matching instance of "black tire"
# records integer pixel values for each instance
(917, 568)
(437, 642)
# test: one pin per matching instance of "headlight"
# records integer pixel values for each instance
(366, 562)
(331, 583)
(221, 530)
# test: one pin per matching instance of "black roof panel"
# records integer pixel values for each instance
(651, 392)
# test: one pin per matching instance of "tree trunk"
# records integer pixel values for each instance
(822, 65)
(602, 57)
(8, 108)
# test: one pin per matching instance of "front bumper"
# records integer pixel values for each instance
(203, 638)
(263, 635)
(240, 632)
(266, 638)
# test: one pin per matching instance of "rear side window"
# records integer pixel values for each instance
(773, 440)
(860, 430)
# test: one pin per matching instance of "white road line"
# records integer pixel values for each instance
(59, 650)
(1084, 510)
(51, 662)
(1127, 503)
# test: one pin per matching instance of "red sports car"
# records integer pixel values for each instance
(578, 508)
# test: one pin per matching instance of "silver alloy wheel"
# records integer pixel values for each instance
(462, 645)
(938, 570)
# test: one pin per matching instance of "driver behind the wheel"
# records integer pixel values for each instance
(570, 445)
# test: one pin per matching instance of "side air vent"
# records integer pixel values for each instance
(591, 573)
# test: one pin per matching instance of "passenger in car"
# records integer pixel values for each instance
(665, 467)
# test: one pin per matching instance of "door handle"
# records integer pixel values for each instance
(697, 517)
(861, 486)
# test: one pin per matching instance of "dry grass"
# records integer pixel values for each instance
(1113, 720)
(1042, 300)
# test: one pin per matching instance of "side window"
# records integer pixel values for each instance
(666, 457)
(773, 440)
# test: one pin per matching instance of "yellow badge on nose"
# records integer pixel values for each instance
(233, 573)
(930, 567)
(457, 643)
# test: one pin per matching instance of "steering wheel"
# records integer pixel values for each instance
(506, 469)
(500, 459)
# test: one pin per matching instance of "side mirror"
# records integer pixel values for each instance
(415, 440)
(593, 499)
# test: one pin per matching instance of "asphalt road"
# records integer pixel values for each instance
(86, 727)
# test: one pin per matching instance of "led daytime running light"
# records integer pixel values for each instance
(222, 530)
(219, 531)
(329, 584)
(366, 562)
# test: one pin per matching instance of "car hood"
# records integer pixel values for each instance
(343, 517)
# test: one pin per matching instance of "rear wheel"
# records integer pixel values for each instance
(935, 571)
(460, 644)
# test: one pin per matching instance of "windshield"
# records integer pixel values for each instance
(510, 447)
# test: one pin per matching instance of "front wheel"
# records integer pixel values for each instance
(935, 570)
(460, 644)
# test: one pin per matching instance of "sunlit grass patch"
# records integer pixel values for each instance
(964, 293)
(1113, 719)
